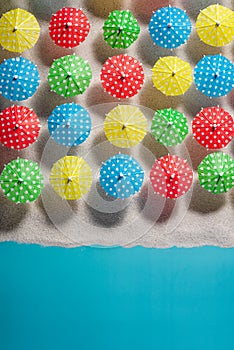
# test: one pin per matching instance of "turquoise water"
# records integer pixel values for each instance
(88, 298)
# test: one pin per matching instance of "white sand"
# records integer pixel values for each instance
(197, 219)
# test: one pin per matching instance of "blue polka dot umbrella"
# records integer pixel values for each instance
(214, 75)
(69, 124)
(19, 78)
(121, 176)
(169, 27)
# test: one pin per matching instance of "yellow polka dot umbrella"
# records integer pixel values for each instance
(172, 76)
(19, 30)
(215, 25)
(71, 177)
(125, 126)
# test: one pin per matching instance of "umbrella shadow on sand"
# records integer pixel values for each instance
(196, 152)
(8, 154)
(44, 9)
(102, 8)
(143, 9)
(11, 214)
(102, 50)
(96, 93)
(193, 7)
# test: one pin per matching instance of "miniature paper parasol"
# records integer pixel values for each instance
(122, 76)
(170, 27)
(69, 76)
(19, 30)
(21, 180)
(215, 25)
(71, 177)
(20, 127)
(19, 78)
(213, 127)
(214, 75)
(172, 76)
(216, 172)
(171, 176)
(69, 27)
(125, 126)
(120, 29)
(169, 127)
(121, 176)
(69, 124)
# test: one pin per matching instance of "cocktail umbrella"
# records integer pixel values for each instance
(216, 172)
(121, 176)
(21, 180)
(19, 127)
(19, 30)
(125, 126)
(69, 27)
(69, 76)
(213, 127)
(171, 176)
(215, 25)
(122, 76)
(214, 75)
(172, 76)
(69, 124)
(19, 78)
(71, 177)
(121, 29)
(169, 127)
(170, 27)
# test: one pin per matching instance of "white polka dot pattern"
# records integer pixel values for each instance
(121, 176)
(21, 181)
(125, 126)
(214, 75)
(216, 172)
(19, 78)
(169, 127)
(69, 76)
(122, 76)
(171, 176)
(213, 128)
(169, 27)
(120, 29)
(71, 177)
(69, 124)
(19, 127)
(69, 27)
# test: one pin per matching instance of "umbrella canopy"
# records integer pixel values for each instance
(69, 76)
(215, 25)
(125, 126)
(121, 176)
(69, 124)
(19, 30)
(20, 127)
(19, 78)
(214, 75)
(216, 172)
(172, 76)
(213, 127)
(21, 181)
(122, 76)
(169, 127)
(71, 177)
(171, 176)
(169, 27)
(120, 29)
(69, 27)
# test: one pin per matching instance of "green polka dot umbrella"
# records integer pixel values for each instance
(169, 127)
(216, 172)
(69, 76)
(21, 181)
(120, 29)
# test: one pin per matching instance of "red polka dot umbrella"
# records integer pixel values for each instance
(69, 27)
(213, 127)
(19, 127)
(171, 176)
(122, 76)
